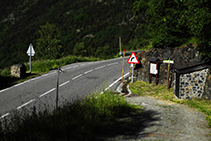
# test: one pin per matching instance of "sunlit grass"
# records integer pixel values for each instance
(79, 120)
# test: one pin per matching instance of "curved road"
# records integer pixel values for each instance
(77, 81)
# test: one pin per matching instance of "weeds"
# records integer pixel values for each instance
(80, 120)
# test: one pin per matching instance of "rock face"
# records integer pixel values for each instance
(18, 70)
(193, 73)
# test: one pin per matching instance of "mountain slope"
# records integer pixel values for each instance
(96, 23)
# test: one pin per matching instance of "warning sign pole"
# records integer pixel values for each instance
(123, 65)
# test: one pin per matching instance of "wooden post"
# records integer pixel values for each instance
(168, 74)
(156, 74)
(123, 65)
(149, 73)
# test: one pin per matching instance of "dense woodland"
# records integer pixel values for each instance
(93, 27)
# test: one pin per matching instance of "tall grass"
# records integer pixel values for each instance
(80, 120)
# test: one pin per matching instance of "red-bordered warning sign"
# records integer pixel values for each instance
(133, 59)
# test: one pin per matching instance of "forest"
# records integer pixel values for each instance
(92, 28)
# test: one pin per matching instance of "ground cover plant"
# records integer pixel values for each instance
(83, 120)
(161, 92)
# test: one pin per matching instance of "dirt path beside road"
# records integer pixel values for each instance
(174, 122)
(159, 121)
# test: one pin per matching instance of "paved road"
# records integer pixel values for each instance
(79, 80)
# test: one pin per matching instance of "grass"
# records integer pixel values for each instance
(160, 92)
(39, 67)
(81, 120)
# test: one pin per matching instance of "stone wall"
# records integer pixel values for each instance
(192, 84)
(18, 70)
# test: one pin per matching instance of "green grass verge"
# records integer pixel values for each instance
(81, 120)
(160, 92)
(39, 67)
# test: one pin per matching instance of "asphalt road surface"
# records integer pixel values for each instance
(77, 81)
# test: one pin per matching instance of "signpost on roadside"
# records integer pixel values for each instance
(30, 53)
(120, 48)
(123, 65)
(169, 62)
(133, 60)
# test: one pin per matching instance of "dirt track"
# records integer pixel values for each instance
(161, 120)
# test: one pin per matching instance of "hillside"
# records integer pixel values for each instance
(95, 23)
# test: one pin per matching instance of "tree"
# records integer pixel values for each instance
(173, 22)
(48, 45)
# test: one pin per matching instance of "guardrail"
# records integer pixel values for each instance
(129, 52)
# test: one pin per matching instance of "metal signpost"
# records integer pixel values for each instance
(133, 60)
(30, 53)
(120, 45)
(57, 86)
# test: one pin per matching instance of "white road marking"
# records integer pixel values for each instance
(75, 66)
(47, 92)
(25, 104)
(100, 67)
(114, 83)
(64, 84)
(77, 76)
(112, 64)
(4, 115)
(88, 71)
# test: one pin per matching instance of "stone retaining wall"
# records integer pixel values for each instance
(192, 84)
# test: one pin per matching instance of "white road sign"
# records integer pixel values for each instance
(30, 50)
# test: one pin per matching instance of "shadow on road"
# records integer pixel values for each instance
(130, 126)
(8, 81)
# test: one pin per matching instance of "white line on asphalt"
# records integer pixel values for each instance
(100, 67)
(114, 82)
(88, 71)
(77, 76)
(112, 64)
(75, 66)
(4, 115)
(47, 92)
(64, 84)
(68, 68)
(26, 104)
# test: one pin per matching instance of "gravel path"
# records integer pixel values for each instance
(161, 120)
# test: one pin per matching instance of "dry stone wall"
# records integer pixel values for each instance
(194, 82)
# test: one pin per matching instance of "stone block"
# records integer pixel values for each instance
(18, 70)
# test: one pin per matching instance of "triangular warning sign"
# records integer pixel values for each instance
(133, 59)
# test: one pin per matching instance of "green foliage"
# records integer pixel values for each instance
(79, 120)
(79, 49)
(5, 72)
(103, 52)
(48, 45)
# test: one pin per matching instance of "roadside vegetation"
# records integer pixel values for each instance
(86, 120)
(40, 67)
(160, 92)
